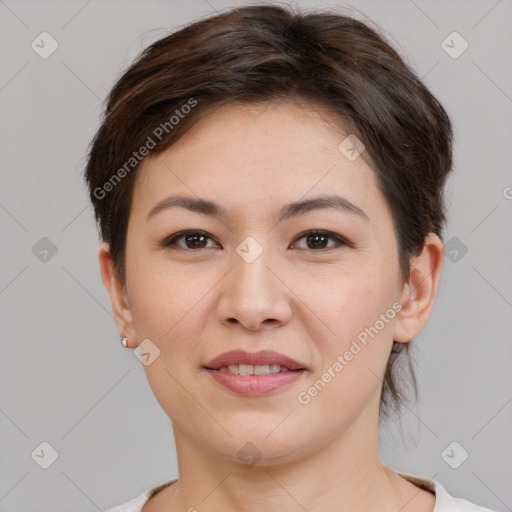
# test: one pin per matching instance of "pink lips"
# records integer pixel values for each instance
(254, 384)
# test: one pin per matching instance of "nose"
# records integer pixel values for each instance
(254, 295)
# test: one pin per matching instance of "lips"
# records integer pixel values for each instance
(237, 357)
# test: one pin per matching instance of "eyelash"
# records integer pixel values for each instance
(170, 242)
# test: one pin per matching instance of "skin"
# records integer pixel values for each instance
(309, 303)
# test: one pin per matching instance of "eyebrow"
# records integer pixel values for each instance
(287, 211)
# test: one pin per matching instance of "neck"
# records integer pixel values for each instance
(344, 473)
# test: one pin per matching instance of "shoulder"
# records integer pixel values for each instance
(445, 502)
(136, 504)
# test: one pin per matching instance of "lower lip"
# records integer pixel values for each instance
(255, 384)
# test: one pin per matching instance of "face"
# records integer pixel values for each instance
(254, 280)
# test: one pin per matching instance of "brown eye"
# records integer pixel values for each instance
(317, 240)
(192, 240)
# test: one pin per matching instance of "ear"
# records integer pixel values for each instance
(419, 292)
(118, 297)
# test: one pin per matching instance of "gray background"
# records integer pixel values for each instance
(65, 378)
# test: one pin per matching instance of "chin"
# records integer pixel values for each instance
(255, 446)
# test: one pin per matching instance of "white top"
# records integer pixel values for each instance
(444, 501)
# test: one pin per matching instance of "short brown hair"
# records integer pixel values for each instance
(261, 53)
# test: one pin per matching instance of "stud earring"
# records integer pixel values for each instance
(124, 341)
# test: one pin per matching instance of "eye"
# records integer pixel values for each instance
(317, 239)
(198, 239)
(192, 240)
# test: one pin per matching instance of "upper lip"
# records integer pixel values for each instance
(254, 358)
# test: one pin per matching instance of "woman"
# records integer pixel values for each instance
(268, 186)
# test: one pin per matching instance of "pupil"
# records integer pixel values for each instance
(195, 237)
(317, 237)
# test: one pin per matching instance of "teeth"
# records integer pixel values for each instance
(262, 369)
(250, 369)
(244, 369)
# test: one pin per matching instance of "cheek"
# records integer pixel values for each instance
(348, 301)
(160, 302)
(168, 308)
(168, 305)
(355, 349)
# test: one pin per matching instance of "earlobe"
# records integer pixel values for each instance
(117, 292)
(419, 292)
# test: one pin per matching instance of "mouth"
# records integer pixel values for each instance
(254, 363)
(251, 369)
(258, 373)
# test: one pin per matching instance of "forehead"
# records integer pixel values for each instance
(249, 156)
